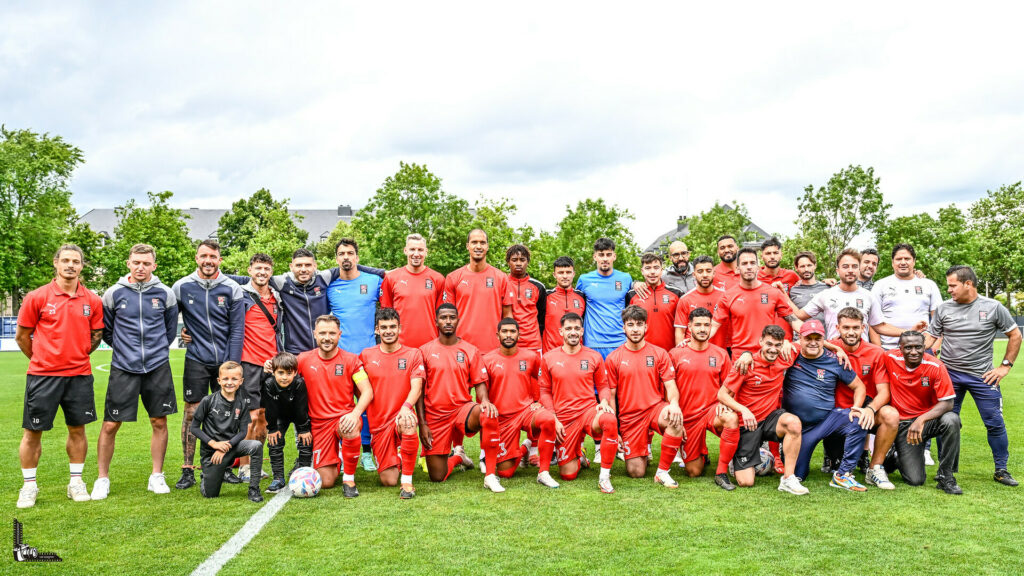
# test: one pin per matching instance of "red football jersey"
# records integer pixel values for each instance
(329, 382)
(638, 377)
(416, 298)
(724, 277)
(699, 375)
(917, 391)
(868, 363)
(559, 302)
(528, 301)
(661, 311)
(749, 310)
(568, 381)
(760, 389)
(512, 384)
(479, 296)
(259, 343)
(63, 328)
(697, 299)
(451, 372)
(391, 376)
(788, 279)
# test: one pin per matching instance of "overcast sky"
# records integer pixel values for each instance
(662, 110)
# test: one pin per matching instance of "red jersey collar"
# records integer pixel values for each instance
(79, 292)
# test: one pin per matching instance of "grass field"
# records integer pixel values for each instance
(460, 528)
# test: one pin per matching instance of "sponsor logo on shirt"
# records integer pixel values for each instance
(664, 299)
(584, 365)
(460, 357)
(764, 298)
(575, 303)
(529, 293)
(982, 315)
(316, 290)
(155, 302)
(821, 374)
(86, 310)
(918, 290)
(712, 361)
(924, 381)
(430, 284)
(522, 365)
(362, 288)
(618, 286)
(489, 282)
(860, 303)
(401, 363)
(339, 369)
(865, 369)
(650, 361)
(222, 301)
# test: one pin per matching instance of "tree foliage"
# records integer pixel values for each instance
(324, 249)
(588, 221)
(939, 242)
(998, 221)
(833, 215)
(259, 224)
(493, 217)
(36, 215)
(705, 228)
(158, 225)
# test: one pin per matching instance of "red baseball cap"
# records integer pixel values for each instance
(812, 326)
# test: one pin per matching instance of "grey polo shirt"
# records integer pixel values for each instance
(968, 332)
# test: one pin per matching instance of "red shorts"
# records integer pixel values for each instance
(636, 431)
(326, 447)
(441, 429)
(696, 445)
(509, 428)
(575, 432)
(385, 442)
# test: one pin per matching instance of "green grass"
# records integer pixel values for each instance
(460, 528)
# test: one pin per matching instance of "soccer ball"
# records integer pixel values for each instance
(305, 482)
(766, 467)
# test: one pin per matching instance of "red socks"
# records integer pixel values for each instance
(727, 444)
(453, 461)
(489, 441)
(410, 445)
(609, 439)
(669, 449)
(544, 421)
(350, 449)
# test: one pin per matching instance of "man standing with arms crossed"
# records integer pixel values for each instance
(414, 291)
(968, 324)
(680, 274)
(213, 311)
(140, 316)
(59, 325)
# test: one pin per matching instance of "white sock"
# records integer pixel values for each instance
(534, 451)
(406, 479)
(28, 475)
(661, 471)
(348, 477)
(606, 473)
(76, 470)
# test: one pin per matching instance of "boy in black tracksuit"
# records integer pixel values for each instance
(220, 423)
(286, 401)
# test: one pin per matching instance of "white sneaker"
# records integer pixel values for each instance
(605, 484)
(876, 476)
(460, 451)
(27, 495)
(928, 460)
(243, 473)
(77, 490)
(545, 479)
(665, 480)
(792, 485)
(100, 489)
(492, 483)
(157, 484)
(597, 456)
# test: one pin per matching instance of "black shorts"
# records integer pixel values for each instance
(748, 451)
(199, 380)
(250, 390)
(44, 394)
(156, 388)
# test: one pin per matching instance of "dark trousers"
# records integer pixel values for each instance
(989, 401)
(277, 456)
(213, 474)
(910, 457)
(838, 423)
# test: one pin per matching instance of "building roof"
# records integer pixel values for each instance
(683, 228)
(202, 222)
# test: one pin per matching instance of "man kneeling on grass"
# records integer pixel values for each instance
(220, 423)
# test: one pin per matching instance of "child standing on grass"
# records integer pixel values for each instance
(285, 399)
(220, 423)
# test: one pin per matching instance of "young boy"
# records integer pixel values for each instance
(220, 423)
(285, 399)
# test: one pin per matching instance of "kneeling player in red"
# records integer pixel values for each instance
(701, 369)
(643, 380)
(512, 373)
(332, 377)
(452, 367)
(568, 378)
(396, 372)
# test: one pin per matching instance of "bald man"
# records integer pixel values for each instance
(680, 274)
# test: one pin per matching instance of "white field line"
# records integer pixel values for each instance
(232, 547)
(103, 367)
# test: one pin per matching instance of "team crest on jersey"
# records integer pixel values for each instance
(460, 357)
(222, 301)
(339, 369)
(522, 365)
(983, 315)
(764, 298)
(575, 303)
(489, 282)
(529, 293)
(650, 361)
(584, 364)
(865, 369)
(918, 290)
(430, 284)
(665, 299)
(924, 381)
(860, 303)
(155, 302)
(316, 290)
(712, 361)
(362, 288)
(618, 286)
(86, 310)
(238, 412)
(401, 363)
(821, 374)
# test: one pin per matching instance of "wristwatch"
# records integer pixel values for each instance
(1006, 363)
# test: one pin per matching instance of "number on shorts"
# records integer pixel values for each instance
(316, 458)
(625, 448)
(501, 450)
(563, 453)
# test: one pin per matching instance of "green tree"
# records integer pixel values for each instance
(833, 215)
(493, 216)
(324, 249)
(575, 236)
(705, 228)
(998, 221)
(259, 224)
(939, 242)
(36, 215)
(412, 201)
(158, 225)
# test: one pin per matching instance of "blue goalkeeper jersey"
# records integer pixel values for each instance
(354, 303)
(606, 297)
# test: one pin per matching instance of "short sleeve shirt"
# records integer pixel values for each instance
(868, 361)
(917, 391)
(638, 377)
(391, 375)
(62, 329)
(904, 303)
(809, 390)
(968, 332)
(512, 380)
(479, 297)
(451, 372)
(571, 380)
(696, 299)
(831, 301)
(699, 375)
(416, 298)
(330, 383)
(748, 311)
